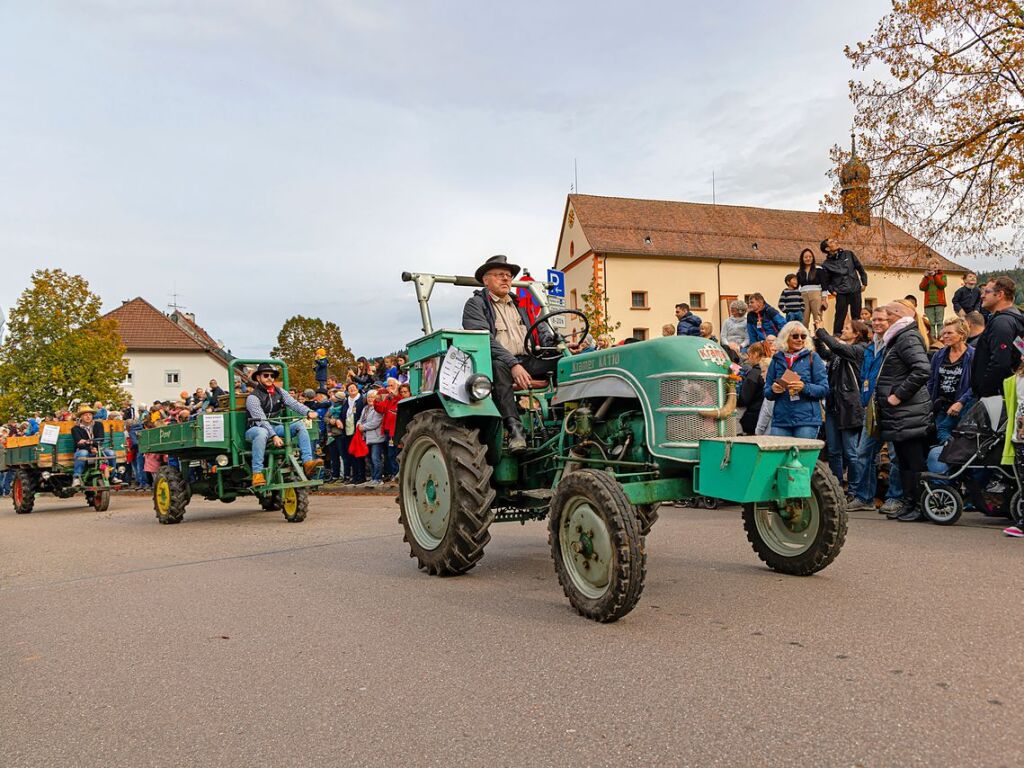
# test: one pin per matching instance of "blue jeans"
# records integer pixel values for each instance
(944, 424)
(391, 464)
(867, 477)
(82, 454)
(6, 480)
(808, 432)
(377, 451)
(258, 437)
(842, 449)
(140, 470)
(798, 316)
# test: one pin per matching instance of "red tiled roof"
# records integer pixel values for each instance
(143, 327)
(195, 328)
(729, 232)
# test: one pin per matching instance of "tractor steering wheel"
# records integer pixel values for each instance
(535, 350)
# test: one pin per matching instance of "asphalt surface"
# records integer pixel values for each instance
(237, 639)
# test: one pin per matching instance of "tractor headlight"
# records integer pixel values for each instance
(478, 386)
(222, 460)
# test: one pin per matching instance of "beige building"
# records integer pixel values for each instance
(649, 255)
(166, 354)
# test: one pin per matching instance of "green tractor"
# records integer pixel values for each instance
(44, 463)
(616, 433)
(210, 456)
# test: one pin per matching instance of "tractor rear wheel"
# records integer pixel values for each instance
(444, 494)
(599, 553)
(294, 504)
(23, 492)
(170, 495)
(804, 536)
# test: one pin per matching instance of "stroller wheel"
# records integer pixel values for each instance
(1017, 509)
(942, 504)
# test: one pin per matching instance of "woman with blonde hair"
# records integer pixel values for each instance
(797, 410)
(949, 384)
(902, 401)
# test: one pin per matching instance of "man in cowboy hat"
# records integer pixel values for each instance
(495, 310)
(268, 401)
(87, 437)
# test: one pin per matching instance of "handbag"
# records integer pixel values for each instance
(871, 425)
(357, 446)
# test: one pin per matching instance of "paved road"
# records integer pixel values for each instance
(236, 639)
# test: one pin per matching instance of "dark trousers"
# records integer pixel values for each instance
(846, 302)
(504, 389)
(913, 456)
(334, 457)
(355, 468)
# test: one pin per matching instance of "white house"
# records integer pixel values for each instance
(166, 354)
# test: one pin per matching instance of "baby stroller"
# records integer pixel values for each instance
(974, 455)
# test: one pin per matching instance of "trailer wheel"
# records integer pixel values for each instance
(294, 504)
(805, 536)
(444, 494)
(170, 495)
(599, 552)
(23, 492)
(942, 504)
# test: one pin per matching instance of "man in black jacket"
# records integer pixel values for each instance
(843, 276)
(495, 310)
(995, 355)
(87, 437)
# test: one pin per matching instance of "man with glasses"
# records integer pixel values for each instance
(995, 355)
(268, 401)
(495, 310)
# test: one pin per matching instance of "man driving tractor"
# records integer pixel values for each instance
(268, 401)
(87, 437)
(496, 310)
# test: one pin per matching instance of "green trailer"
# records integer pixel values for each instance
(614, 434)
(44, 463)
(210, 456)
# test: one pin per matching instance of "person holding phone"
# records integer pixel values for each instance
(797, 382)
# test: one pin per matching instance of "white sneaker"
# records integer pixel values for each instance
(76, 483)
(1014, 531)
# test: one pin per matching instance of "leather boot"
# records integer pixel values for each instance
(516, 436)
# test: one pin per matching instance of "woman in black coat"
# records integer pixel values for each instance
(844, 414)
(902, 401)
(751, 390)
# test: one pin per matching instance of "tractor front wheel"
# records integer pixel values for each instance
(23, 492)
(101, 498)
(444, 494)
(294, 504)
(170, 495)
(804, 535)
(596, 543)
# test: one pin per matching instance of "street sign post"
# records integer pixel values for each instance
(556, 303)
(557, 280)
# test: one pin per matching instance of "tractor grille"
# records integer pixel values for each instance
(691, 427)
(690, 392)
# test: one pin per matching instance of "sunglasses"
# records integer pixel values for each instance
(798, 335)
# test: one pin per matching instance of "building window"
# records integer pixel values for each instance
(572, 249)
(870, 304)
(639, 300)
(640, 334)
(172, 378)
(697, 301)
(129, 378)
(574, 299)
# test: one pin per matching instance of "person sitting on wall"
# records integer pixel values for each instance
(87, 437)
(495, 310)
(268, 401)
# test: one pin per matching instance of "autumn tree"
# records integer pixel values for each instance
(58, 349)
(297, 343)
(595, 307)
(943, 132)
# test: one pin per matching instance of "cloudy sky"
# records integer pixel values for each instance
(264, 159)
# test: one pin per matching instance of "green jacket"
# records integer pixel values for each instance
(1010, 395)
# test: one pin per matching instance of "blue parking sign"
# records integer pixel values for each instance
(557, 280)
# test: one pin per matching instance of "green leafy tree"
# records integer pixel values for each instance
(58, 348)
(297, 343)
(595, 308)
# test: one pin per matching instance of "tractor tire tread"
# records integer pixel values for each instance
(468, 529)
(179, 495)
(28, 492)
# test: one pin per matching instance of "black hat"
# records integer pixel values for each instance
(265, 368)
(495, 262)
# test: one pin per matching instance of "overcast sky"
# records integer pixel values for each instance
(264, 159)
